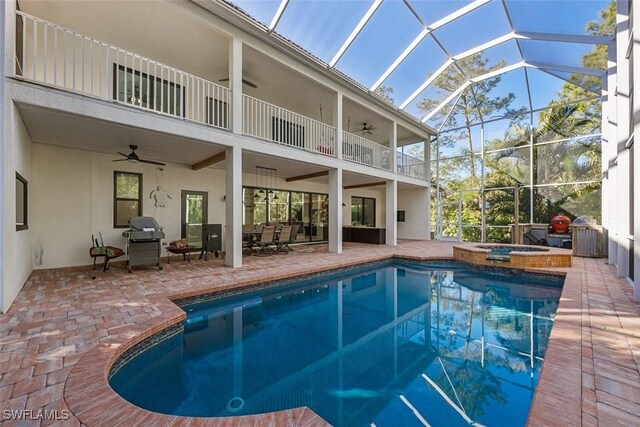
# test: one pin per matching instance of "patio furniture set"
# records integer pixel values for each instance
(268, 240)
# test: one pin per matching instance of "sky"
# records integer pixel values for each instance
(321, 26)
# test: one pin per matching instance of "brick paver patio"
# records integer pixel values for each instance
(66, 328)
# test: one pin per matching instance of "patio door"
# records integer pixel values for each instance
(194, 215)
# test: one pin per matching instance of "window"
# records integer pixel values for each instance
(127, 197)
(287, 132)
(21, 203)
(143, 90)
(363, 211)
(217, 113)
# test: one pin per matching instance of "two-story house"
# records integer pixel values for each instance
(242, 128)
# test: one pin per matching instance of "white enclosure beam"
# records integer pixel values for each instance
(335, 211)
(355, 32)
(561, 77)
(400, 58)
(278, 15)
(446, 101)
(457, 14)
(498, 72)
(566, 38)
(566, 68)
(426, 83)
(484, 46)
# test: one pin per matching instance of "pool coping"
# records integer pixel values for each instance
(90, 397)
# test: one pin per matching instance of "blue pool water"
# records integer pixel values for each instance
(387, 345)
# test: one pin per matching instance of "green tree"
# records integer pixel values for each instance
(475, 102)
(596, 59)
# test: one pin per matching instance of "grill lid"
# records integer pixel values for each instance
(585, 220)
(144, 223)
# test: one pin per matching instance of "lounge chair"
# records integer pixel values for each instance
(283, 239)
(266, 240)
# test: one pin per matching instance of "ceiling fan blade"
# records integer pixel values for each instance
(120, 160)
(246, 82)
(151, 162)
(122, 154)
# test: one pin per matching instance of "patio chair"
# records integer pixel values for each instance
(292, 239)
(266, 240)
(283, 239)
(99, 250)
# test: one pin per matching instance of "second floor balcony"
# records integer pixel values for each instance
(55, 56)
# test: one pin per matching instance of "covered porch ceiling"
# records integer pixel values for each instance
(74, 131)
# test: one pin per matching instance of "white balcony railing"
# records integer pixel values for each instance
(272, 123)
(49, 54)
(360, 150)
(411, 166)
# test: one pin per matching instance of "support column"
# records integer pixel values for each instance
(391, 214)
(5, 205)
(393, 144)
(233, 207)
(609, 137)
(335, 211)
(622, 190)
(636, 152)
(235, 83)
(337, 119)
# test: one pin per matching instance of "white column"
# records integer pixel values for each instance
(337, 120)
(391, 214)
(7, 41)
(5, 204)
(235, 83)
(233, 207)
(622, 190)
(393, 144)
(335, 210)
(609, 138)
(636, 151)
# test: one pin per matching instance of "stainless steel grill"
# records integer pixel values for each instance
(143, 241)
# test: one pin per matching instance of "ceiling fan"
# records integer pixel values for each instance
(133, 157)
(367, 128)
(246, 82)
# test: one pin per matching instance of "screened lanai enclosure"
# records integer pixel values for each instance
(514, 90)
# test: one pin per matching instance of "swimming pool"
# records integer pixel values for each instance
(353, 348)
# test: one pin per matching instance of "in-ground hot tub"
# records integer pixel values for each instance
(515, 256)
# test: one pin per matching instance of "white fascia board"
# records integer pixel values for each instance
(566, 68)
(401, 58)
(278, 15)
(457, 14)
(355, 32)
(566, 38)
(426, 83)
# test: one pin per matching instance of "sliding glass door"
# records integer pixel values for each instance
(276, 207)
